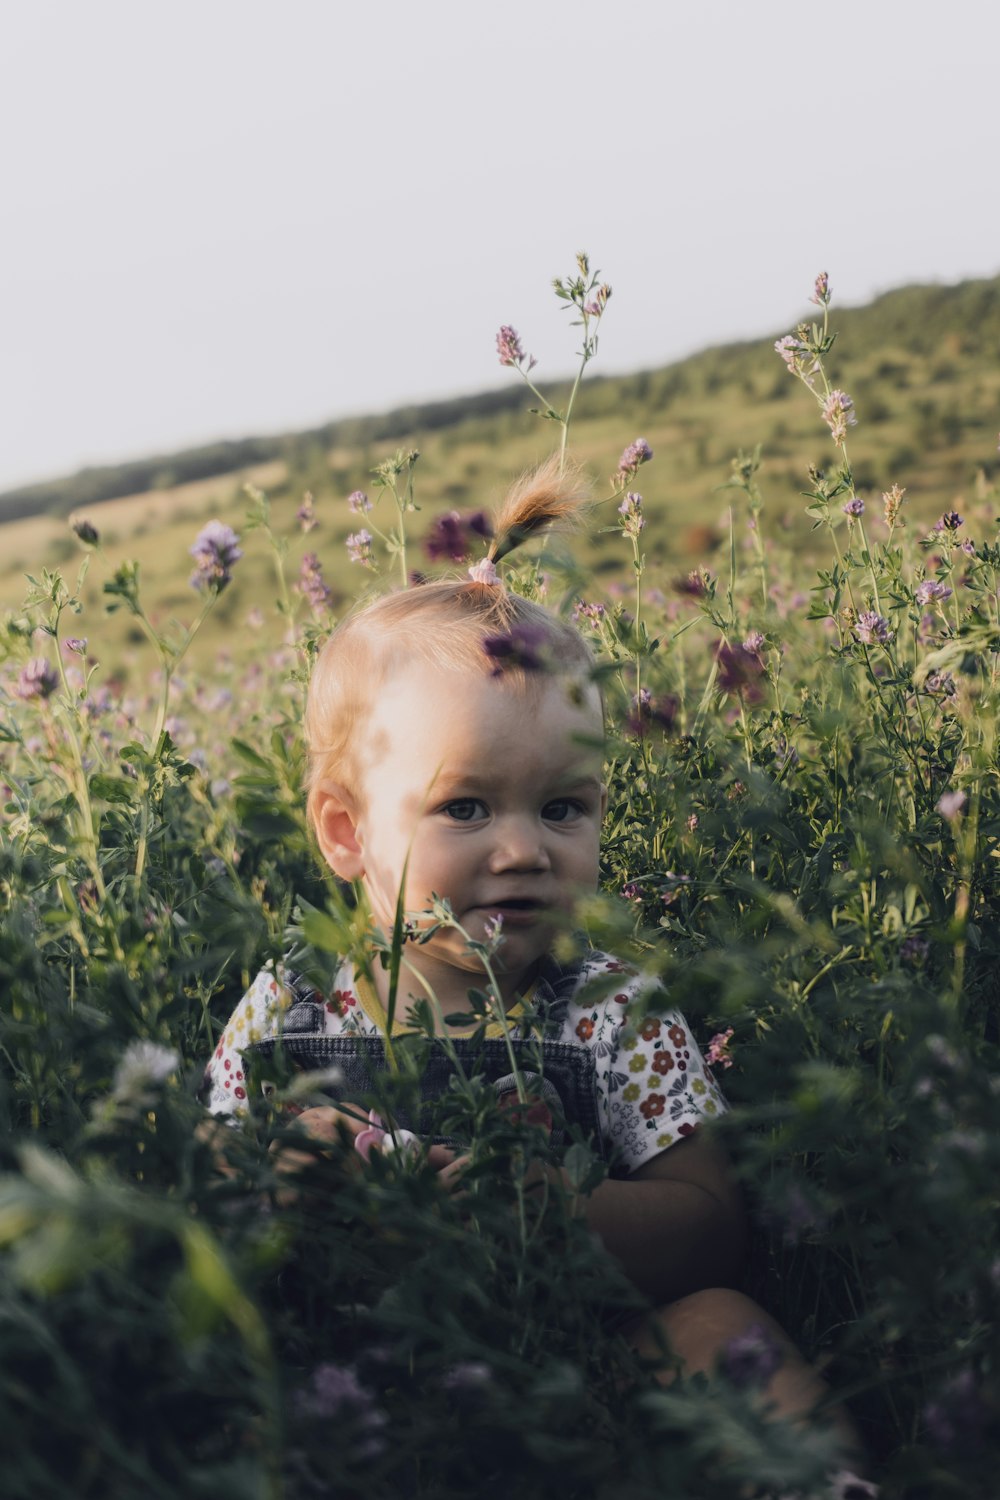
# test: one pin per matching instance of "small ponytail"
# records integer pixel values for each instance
(544, 497)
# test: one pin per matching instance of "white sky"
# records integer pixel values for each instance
(226, 217)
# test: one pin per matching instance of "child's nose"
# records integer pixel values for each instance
(520, 845)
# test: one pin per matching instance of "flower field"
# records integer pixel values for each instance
(802, 843)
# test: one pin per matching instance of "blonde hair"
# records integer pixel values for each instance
(444, 624)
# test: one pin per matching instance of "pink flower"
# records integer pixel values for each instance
(358, 502)
(740, 671)
(359, 548)
(950, 804)
(821, 291)
(37, 680)
(510, 350)
(630, 510)
(717, 1055)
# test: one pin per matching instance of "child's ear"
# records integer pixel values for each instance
(337, 830)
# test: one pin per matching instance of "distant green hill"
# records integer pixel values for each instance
(921, 363)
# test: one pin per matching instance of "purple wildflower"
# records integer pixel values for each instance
(311, 585)
(521, 646)
(510, 350)
(359, 503)
(942, 684)
(648, 713)
(450, 536)
(631, 512)
(798, 357)
(36, 680)
(306, 513)
(694, 585)
(931, 589)
(957, 1418)
(584, 611)
(216, 549)
(913, 950)
(359, 548)
(740, 672)
(87, 533)
(968, 546)
(635, 454)
(75, 644)
(755, 642)
(632, 892)
(752, 1358)
(871, 627)
(673, 890)
(838, 414)
(950, 521)
(334, 1391)
(854, 507)
(718, 1055)
(821, 290)
(950, 804)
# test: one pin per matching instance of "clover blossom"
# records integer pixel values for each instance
(648, 713)
(359, 548)
(950, 804)
(931, 589)
(914, 950)
(359, 503)
(143, 1065)
(450, 536)
(632, 892)
(755, 642)
(751, 1358)
(739, 672)
(630, 511)
(510, 349)
(853, 507)
(306, 513)
(36, 680)
(950, 521)
(521, 646)
(216, 550)
(694, 585)
(87, 533)
(870, 628)
(839, 414)
(584, 611)
(718, 1055)
(798, 356)
(76, 644)
(311, 584)
(821, 290)
(635, 454)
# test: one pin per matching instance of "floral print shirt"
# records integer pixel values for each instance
(653, 1085)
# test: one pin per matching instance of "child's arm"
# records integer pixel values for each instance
(676, 1224)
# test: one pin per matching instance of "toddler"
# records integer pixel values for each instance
(455, 739)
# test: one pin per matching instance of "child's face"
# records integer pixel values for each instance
(495, 800)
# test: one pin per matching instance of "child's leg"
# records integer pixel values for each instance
(697, 1329)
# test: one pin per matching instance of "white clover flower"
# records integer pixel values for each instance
(143, 1064)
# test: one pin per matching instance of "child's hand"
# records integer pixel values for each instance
(321, 1122)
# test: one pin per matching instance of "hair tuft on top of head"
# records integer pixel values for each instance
(552, 495)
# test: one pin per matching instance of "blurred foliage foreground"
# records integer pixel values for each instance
(802, 841)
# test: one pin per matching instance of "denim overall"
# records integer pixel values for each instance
(561, 1073)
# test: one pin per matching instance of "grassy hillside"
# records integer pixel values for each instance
(919, 362)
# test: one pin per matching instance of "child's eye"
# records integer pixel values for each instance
(562, 810)
(465, 809)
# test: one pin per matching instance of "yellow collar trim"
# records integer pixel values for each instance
(375, 1011)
